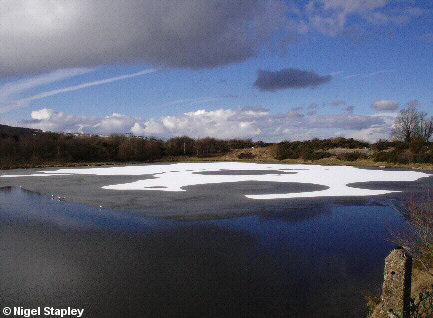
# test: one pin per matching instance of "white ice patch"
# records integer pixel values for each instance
(175, 177)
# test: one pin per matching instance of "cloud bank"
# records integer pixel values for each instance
(257, 123)
(288, 78)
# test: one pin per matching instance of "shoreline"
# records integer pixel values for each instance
(363, 163)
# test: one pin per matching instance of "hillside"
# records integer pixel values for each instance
(9, 130)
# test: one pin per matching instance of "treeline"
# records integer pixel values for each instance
(185, 146)
(36, 148)
(30, 148)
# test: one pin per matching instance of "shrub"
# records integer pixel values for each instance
(261, 144)
(240, 143)
(382, 145)
(417, 145)
(180, 146)
(246, 155)
(210, 147)
(315, 155)
(401, 146)
(382, 156)
(287, 150)
(338, 143)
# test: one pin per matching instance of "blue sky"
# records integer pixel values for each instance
(155, 69)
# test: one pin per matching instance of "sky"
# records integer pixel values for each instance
(262, 69)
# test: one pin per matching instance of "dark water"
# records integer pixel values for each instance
(317, 262)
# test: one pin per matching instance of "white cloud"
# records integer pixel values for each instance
(385, 104)
(248, 122)
(116, 123)
(42, 114)
(51, 120)
(222, 123)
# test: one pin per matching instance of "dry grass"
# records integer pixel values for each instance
(337, 151)
(421, 281)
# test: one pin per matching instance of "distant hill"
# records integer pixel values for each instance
(9, 130)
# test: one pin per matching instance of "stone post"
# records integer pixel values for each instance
(395, 297)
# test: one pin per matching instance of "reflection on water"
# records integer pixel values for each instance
(318, 262)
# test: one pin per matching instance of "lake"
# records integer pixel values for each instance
(305, 257)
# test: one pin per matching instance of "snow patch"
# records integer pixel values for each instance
(175, 177)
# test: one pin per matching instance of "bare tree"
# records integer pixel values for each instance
(426, 127)
(412, 124)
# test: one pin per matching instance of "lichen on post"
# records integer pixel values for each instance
(395, 299)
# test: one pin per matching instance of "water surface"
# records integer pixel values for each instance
(281, 262)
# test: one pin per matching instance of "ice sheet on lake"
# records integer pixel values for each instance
(175, 177)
